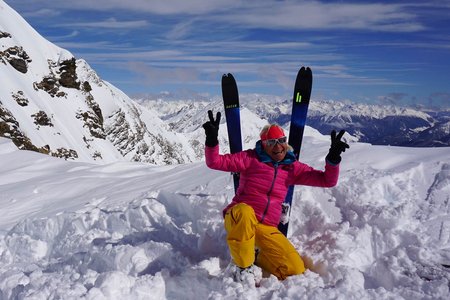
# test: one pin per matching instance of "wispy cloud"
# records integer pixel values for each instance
(42, 13)
(72, 34)
(414, 44)
(110, 23)
(155, 75)
(106, 46)
(180, 30)
(317, 15)
(268, 13)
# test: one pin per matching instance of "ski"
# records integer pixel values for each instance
(300, 102)
(232, 114)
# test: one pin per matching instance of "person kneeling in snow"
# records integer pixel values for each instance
(266, 172)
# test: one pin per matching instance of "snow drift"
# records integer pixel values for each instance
(127, 230)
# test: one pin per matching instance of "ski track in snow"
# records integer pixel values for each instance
(133, 231)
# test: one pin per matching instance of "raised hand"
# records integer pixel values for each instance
(212, 129)
(337, 147)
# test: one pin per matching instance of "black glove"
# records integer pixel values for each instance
(337, 147)
(212, 129)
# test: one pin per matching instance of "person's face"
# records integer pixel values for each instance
(276, 148)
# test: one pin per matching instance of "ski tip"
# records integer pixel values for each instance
(301, 71)
(309, 72)
(228, 79)
(304, 71)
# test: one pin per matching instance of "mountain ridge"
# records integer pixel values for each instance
(374, 124)
(54, 103)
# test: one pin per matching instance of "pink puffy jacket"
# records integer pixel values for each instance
(262, 185)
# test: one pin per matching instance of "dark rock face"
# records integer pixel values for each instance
(92, 122)
(41, 119)
(9, 128)
(17, 58)
(62, 75)
(4, 34)
(65, 153)
(20, 98)
(19, 64)
(68, 75)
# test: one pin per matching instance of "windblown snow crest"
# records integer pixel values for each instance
(132, 248)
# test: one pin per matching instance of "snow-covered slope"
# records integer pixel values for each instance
(74, 230)
(54, 103)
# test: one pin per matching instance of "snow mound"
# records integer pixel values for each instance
(132, 231)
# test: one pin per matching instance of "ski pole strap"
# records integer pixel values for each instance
(285, 213)
(235, 180)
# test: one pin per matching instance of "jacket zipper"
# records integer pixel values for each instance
(268, 194)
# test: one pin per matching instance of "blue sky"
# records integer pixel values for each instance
(364, 51)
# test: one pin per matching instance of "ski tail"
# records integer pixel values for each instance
(230, 96)
(300, 103)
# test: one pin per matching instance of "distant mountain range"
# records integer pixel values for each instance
(374, 124)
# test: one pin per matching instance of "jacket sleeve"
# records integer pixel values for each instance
(236, 162)
(306, 175)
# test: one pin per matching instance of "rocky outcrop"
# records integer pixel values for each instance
(9, 128)
(16, 57)
(4, 34)
(42, 119)
(65, 153)
(93, 123)
(68, 75)
(61, 75)
(50, 85)
(120, 133)
(20, 98)
(130, 140)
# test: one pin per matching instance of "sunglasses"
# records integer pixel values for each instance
(273, 142)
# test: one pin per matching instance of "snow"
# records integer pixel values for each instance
(124, 230)
(114, 229)
(347, 109)
(100, 123)
(37, 47)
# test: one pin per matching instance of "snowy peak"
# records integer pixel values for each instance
(24, 45)
(53, 103)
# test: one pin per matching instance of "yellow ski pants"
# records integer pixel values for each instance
(276, 254)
